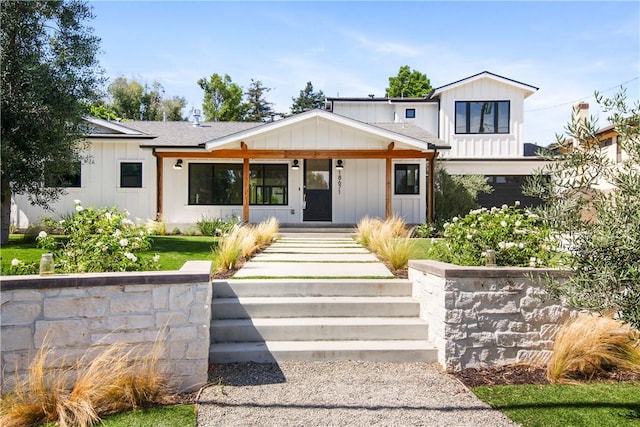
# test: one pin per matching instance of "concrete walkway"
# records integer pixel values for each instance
(320, 255)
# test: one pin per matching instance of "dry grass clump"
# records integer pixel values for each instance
(589, 345)
(389, 239)
(242, 242)
(117, 378)
(366, 229)
(266, 231)
(397, 251)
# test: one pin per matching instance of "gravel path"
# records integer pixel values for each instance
(340, 394)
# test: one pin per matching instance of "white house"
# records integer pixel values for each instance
(358, 157)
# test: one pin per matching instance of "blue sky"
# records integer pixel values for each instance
(568, 49)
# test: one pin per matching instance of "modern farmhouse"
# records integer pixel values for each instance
(357, 157)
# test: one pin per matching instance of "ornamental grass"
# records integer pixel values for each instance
(104, 380)
(242, 242)
(590, 345)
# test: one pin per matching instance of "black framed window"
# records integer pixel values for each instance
(72, 179)
(407, 179)
(221, 184)
(410, 113)
(268, 184)
(131, 175)
(475, 117)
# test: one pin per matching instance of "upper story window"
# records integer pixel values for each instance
(410, 113)
(482, 117)
(131, 175)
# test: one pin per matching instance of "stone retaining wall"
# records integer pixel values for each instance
(486, 316)
(73, 313)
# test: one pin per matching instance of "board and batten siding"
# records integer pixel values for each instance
(381, 112)
(100, 185)
(483, 145)
(358, 191)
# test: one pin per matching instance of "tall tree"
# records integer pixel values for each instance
(134, 100)
(408, 84)
(593, 202)
(222, 99)
(49, 73)
(308, 100)
(258, 108)
(172, 107)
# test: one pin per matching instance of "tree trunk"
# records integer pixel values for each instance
(5, 212)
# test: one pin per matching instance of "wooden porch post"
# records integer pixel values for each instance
(387, 204)
(159, 187)
(430, 188)
(245, 190)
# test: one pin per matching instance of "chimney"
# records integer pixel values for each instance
(582, 111)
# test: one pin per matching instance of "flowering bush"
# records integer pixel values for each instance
(517, 236)
(100, 240)
(19, 267)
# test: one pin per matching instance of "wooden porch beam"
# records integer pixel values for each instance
(298, 154)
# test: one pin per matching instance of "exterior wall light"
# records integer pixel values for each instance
(295, 166)
(339, 165)
(178, 164)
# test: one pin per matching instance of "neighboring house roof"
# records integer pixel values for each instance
(528, 89)
(410, 135)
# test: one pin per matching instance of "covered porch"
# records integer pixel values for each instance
(315, 167)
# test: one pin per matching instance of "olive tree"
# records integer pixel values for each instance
(592, 195)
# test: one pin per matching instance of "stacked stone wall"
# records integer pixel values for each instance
(484, 316)
(74, 314)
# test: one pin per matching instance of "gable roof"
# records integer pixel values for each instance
(528, 89)
(403, 133)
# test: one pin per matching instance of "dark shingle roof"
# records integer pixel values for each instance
(410, 130)
(184, 134)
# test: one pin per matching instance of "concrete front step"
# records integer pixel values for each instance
(311, 288)
(252, 307)
(278, 351)
(318, 328)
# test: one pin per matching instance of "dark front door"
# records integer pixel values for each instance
(317, 190)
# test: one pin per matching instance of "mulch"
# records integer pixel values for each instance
(524, 374)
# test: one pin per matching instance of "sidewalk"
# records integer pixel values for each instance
(319, 255)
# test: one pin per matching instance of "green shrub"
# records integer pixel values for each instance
(424, 230)
(210, 226)
(517, 236)
(99, 240)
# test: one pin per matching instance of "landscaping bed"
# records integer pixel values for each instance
(524, 374)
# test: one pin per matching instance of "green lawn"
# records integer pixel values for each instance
(162, 416)
(174, 251)
(584, 405)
